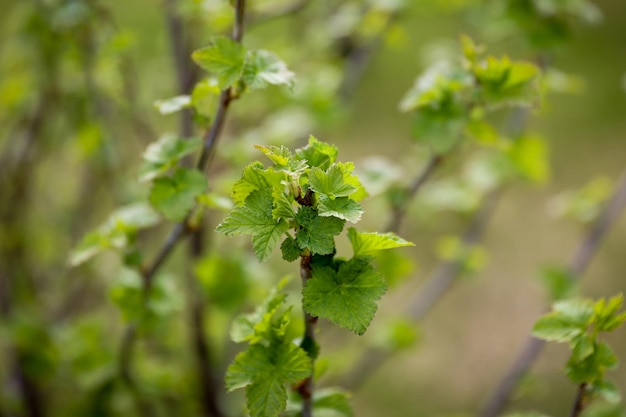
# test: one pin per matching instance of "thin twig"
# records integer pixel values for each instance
(186, 77)
(306, 387)
(287, 10)
(182, 229)
(427, 297)
(579, 262)
(579, 402)
(399, 211)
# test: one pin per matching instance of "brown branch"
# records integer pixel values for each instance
(577, 266)
(182, 229)
(186, 77)
(306, 387)
(579, 402)
(427, 297)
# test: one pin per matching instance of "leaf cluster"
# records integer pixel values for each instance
(271, 360)
(451, 100)
(578, 322)
(312, 195)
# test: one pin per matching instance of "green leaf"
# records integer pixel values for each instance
(255, 177)
(347, 297)
(280, 155)
(317, 233)
(262, 325)
(165, 154)
(205, 97)
(175, 196)
(604, 409)
(331, 182)
(230, 293)
(503, 82)
(264, 371)
(607, 390)
(553, 327)
(559, 282)
(290, 249)
(342, 207)
(128, 294)
(318, 154)
(578, 311)
(255, 218)
(225, 58)
(529, 155)
(173, 105)
(283, 204)
(582, 347)
(116, 233)
(263, 68)
(399, 334)
(368, 244)
(607, 316)
(327, 402)
(593, 367)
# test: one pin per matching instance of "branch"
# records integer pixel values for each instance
(358, 58)
(306, 388)
(399, 211)
(287, 10)
(434, 289)
(578, 264)
(579, 402)
(182, 229)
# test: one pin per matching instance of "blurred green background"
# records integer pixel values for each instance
(108, 70)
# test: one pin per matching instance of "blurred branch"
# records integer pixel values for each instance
(183, 229)
(17, 285)
(427, 297)
(279, 12)
(187, 76)
(399, 211)
(579, 262)
(579, 402)
(358, 58)
(306, 387)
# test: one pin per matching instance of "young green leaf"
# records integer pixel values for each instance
(165, 154)
(116, 233)
(225, 58)
(264, 371)
(607, 316)
(330, 183)
(318, 154)
(368, 244)
(255, 218)
(316, 232)
(558, 282)
(554, 327)
(529, 155)
(290, 249)
(175, 196)
(341, 207)
(263, 68)
(256, 177)
(607, 390)
(172, 105)
(262, 325)
(593, 367)
(327, 402)
(347, 297)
